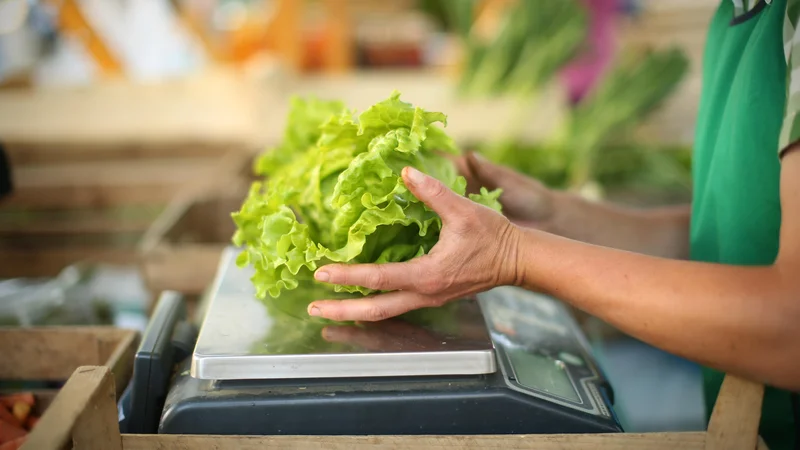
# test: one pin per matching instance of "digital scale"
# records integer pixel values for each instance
(508, 361)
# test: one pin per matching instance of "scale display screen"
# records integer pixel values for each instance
(539, 349)
(541, 373)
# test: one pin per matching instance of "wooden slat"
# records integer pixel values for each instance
(216, 106)
(737, 412)
(97, 428)
(113, 173)
(26, 357)
(648, 441)
(68, 197)
(54, 152)
(27, 263)
(80, 225)
(47, 242)
(52, 354)
(85, 413)
(117, 350)
(116, 183)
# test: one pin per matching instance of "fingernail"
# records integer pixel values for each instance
(322, 276)
(479, 157)
(414, 175)
(314, 311)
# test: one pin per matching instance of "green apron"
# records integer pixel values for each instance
(736, 212)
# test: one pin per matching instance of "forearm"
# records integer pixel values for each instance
(660, 232)
(738, 319)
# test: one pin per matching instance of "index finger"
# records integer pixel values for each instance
(369, 309)
(382, 277)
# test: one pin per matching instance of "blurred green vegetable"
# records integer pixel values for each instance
(534, 41)
(624, 166)
(453, 16)
(585, 149)
(623, 99)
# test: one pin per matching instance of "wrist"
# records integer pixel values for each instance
(511, 261)
(534, 245)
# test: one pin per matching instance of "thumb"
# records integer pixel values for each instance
(434, 194)
(488, 175)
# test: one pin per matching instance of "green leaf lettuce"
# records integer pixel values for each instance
(334, 192)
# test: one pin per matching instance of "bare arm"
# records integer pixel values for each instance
(735, 318)
(658, 232)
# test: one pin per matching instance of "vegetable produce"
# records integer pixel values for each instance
(581, 149)
(15, 444)
(21, 411)
(16, 419)
(10, 432)
(334, 192)
(8, 417)
(25, 397)
(623, 165)
(633, 88)
(535, 39)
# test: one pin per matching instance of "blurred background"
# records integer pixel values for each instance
(130, 127)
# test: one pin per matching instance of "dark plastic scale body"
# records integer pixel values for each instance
(538, 376)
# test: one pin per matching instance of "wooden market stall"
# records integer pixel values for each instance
(84, 415)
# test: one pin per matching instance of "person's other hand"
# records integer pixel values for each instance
(526, 201)
(477, 250)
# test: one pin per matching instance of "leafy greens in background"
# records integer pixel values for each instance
(333, 192)
(582, 149)
(535, 39)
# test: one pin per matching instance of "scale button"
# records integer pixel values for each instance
(570, 359)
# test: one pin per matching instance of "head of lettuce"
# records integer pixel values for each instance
(333, 192)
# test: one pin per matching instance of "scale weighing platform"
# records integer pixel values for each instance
(508, 361)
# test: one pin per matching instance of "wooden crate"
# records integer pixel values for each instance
(84, 414)
(52, 354)
(92, 210)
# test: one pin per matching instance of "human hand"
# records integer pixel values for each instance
(477, 250)
(526, 201)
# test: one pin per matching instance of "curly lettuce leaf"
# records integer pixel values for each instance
(305, 118)
(342, 199)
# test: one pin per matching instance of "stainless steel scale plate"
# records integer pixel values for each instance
(245, 338)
